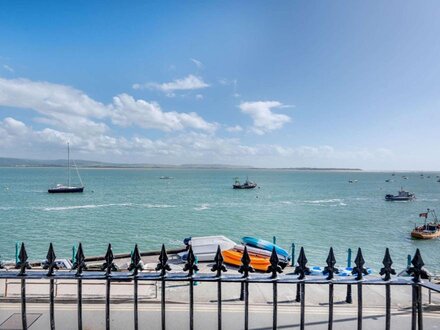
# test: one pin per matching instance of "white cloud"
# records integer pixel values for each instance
(236, 128)
(199, 97)
(198, 64)
(128, 111)
(190, 82)
(264, 120)
(63, 107)
(8, 68)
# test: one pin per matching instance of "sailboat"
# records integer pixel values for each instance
(62, 188)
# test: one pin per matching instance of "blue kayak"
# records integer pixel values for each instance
(265, 245)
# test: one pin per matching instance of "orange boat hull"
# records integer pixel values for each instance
(232, 257)
(424, 235)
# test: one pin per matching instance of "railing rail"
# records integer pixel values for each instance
(275, 277)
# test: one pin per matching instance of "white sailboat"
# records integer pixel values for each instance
(62, 188)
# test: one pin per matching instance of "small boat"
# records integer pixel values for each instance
(205, 247)
(62, 188)
(401, 196)
(166, 177)
(352, 181)
(265, 245)
(404, 177)
(233, 257)
(429, 230)
(246, 185)
(438, 180)
(388, 180)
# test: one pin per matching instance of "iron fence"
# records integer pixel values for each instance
(275, 276)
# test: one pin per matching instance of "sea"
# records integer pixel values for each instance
(311, 209)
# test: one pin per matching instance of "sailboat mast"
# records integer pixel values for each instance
(68, 164)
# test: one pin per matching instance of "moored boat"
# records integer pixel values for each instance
(428, 230)
(246, 185)
(401, 196)
(62, 188)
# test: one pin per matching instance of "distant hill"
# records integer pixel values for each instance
(18, 162)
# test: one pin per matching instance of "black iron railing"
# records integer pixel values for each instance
(275, 276)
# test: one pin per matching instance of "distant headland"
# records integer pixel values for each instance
(18, 162)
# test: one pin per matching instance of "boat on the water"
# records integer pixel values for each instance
(428, 230)
(402, 195)
(166, 177)
(246, 185)
(68, 188)
(233, 257)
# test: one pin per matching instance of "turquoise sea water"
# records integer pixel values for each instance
(312, 209)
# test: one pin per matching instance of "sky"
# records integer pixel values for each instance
(259, 83)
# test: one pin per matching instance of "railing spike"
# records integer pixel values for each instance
(190, 265)
(274, 266)
(387, 270)
(22, 263)
(79, 263)
(218, 267)
(417, 271)
(163, 262)
(330, 269)
(50, 261)
(301, 269)
(359, 270)
(136, 264)
(245, 267)
(109, 265)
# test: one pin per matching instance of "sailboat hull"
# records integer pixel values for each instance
(58, 190)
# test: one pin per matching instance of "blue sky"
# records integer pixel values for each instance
(263, 83)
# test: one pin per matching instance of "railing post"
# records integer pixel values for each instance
(136, 266)
(274, 268)
(387, 270)
(163, 267)
(219, 268)
(245, 269)
(349, 297)
(191, 268)
(330, 270)
(79, 265)
(359, 271)
(50, 264)
(108, 266)
(301, 269)
(23, 264)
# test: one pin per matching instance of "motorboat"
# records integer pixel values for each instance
(428, 230)
(402, 195)
(246, 185)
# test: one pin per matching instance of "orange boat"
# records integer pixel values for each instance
(429, 230)
(233, 257)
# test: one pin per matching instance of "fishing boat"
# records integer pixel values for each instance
(246, 185)
(233, 257)
(68, 188)
(401, 196)
(428, 230)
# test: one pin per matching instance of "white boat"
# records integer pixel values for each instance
(68, 188)
(205, 247)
